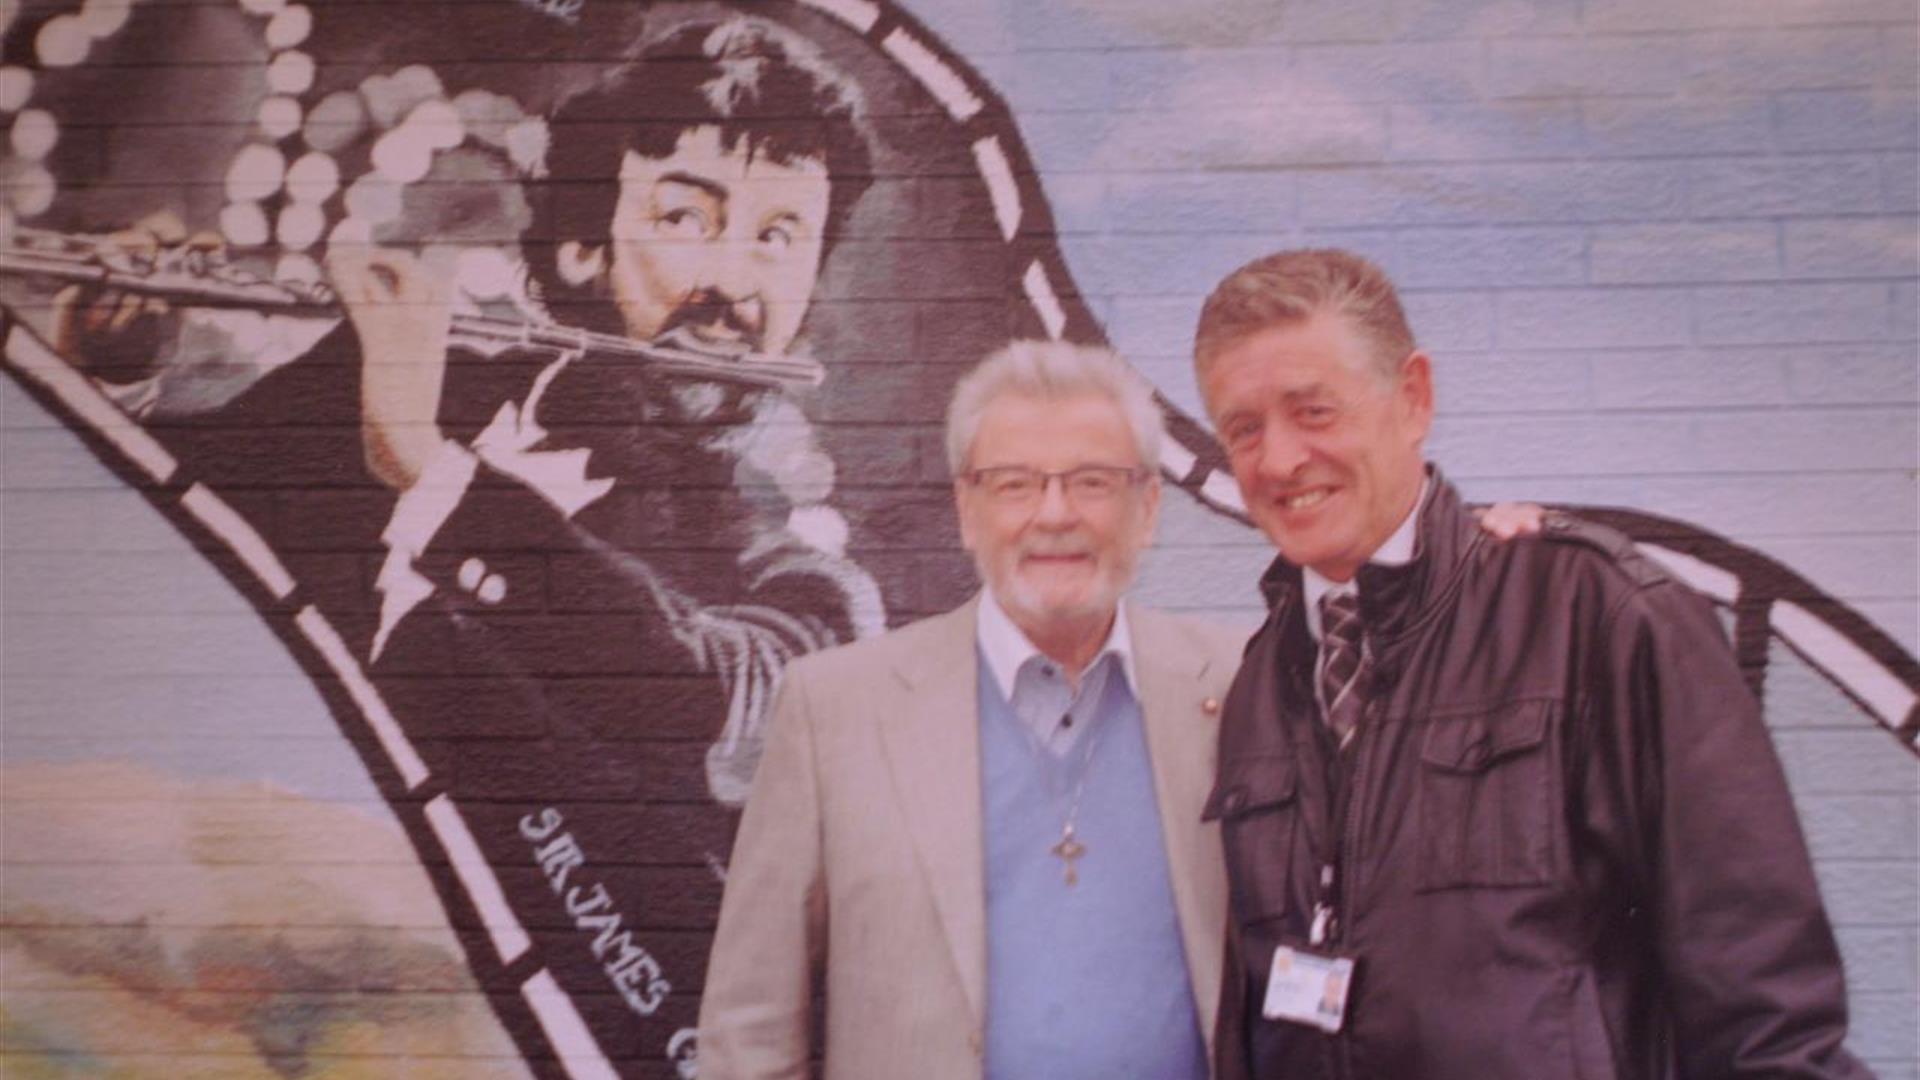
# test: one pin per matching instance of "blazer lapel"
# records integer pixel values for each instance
(932, 742)
(1181, 738)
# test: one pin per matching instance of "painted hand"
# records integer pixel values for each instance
(400, 305)
(117, 335)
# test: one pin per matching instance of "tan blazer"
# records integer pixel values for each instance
(861, 851)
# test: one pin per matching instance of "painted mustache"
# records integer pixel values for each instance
(709, 313)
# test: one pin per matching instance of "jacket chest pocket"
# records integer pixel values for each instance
(1488, 789)
(1256, 803)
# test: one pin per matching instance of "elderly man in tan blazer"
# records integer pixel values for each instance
(984, 828)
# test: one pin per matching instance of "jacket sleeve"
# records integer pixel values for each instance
(755, 1014)
(1231, 1032)
(1751, 971)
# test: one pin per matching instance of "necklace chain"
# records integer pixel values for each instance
(1069, 848)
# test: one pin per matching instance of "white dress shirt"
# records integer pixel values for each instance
(1396, 551)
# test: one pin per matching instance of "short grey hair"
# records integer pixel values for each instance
(1289, 287)
(1053, 371)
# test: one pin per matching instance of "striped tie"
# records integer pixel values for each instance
(1342, 663)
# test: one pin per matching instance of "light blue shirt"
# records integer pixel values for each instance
(1057, 712)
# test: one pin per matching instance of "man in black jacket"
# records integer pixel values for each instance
(1490, 810)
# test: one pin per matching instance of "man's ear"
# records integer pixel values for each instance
(578, 263)
(1151, 497)
(960, 512)
(1415, 393)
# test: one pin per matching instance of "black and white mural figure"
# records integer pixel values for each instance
(703, 234)
(547, 376)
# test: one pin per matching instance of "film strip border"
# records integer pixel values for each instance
(1768, 600)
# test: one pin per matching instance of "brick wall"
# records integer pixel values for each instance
(1664, 255)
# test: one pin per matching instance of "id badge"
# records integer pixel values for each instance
(1308, 988)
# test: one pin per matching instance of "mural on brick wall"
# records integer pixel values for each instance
(547, 375)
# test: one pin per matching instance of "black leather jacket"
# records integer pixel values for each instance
(1569, 851)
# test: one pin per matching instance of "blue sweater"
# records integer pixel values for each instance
(1086, 981)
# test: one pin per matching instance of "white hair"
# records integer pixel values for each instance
(1053, 371)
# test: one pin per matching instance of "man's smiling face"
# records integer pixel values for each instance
(1061, 557)
(721, 242)
(1326, 448)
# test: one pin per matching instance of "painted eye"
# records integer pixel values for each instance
(777, 236)
(682, 223)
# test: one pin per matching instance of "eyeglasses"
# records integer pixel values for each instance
(1020, 486)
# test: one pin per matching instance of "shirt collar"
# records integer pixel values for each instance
(1006, 647)
(1396, 551)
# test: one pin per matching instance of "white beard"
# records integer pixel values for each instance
(1018, 596)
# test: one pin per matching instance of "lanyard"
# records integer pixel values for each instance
(1339, 772)
(1322, 908)
(1342, 764)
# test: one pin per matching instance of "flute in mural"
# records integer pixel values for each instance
(189, 275)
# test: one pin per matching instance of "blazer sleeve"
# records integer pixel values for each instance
(755, 1013)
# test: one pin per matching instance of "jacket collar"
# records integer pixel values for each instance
(1394, 598)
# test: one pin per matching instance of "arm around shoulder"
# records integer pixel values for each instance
(754, 1013)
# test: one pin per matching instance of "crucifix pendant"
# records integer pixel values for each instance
(1069, 849)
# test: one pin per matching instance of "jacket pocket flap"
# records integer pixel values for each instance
(1251, 784)
(1471, 743)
